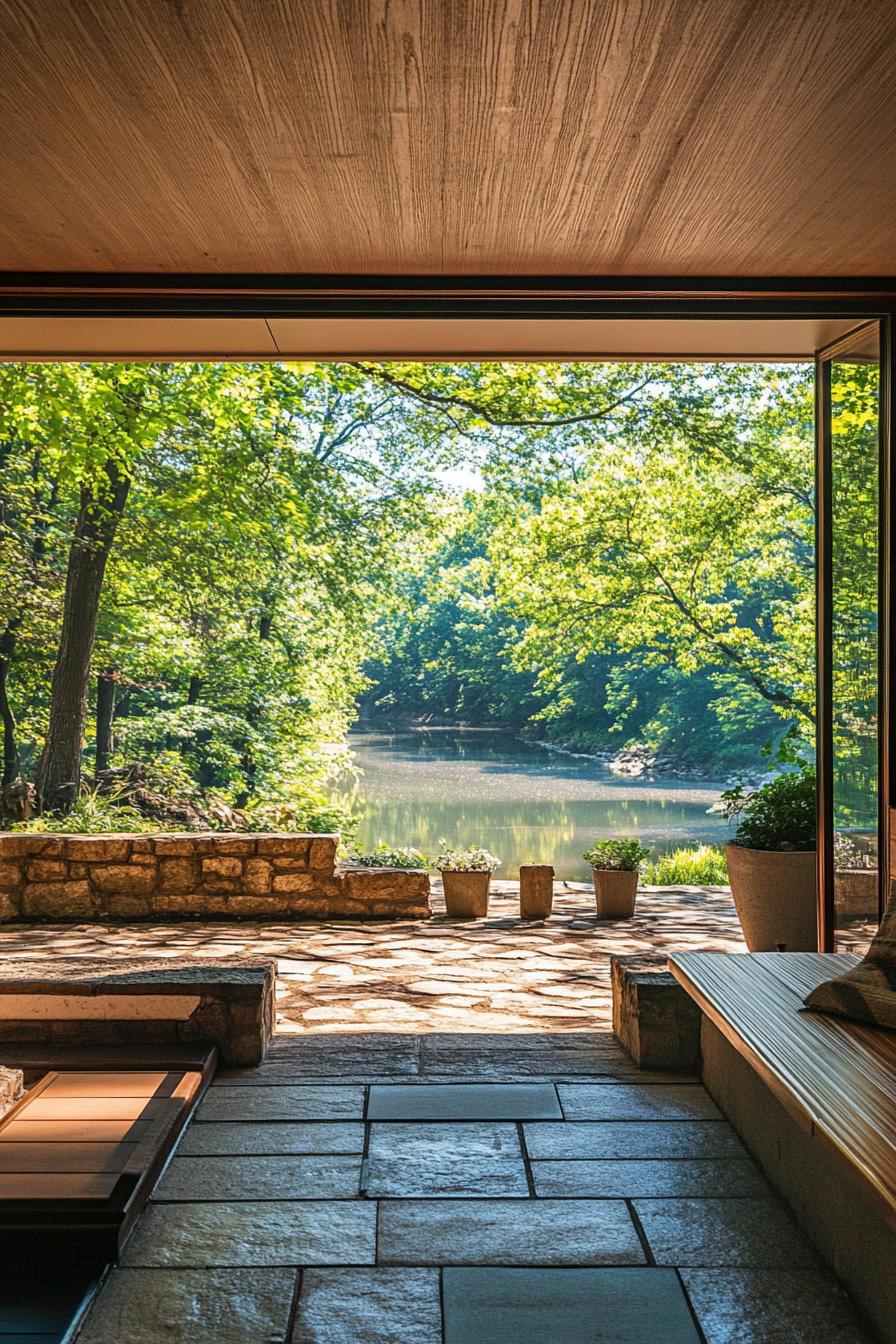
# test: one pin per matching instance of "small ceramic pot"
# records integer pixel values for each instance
(466, 894)
(614, 892)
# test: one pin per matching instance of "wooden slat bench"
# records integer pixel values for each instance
(82, 1150)
(814, 1098)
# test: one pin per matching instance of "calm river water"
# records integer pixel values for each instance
(521, 801)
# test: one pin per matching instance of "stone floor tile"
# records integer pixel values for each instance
(191, 1306)
(698, 1233)
(631, 1101)
(278, 1136)
(452, 1160)
(535, 1054)
(632, 1139)
(336, 1053)
(464, 1101)
(246, 1234)
(507, 1232)
(772, 1306)
(320, 1176)
(282, 1103)
(575, 1306)
(369, 1306)
(646, 1178)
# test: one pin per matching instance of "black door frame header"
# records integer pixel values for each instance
(61, 294)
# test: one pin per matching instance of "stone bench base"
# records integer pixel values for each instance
(655, 1021)
(185, 875)
(84, 1002)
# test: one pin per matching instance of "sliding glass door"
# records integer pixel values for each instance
(851, 685)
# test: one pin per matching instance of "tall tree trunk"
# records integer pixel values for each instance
(59, 768)
(10, 743)
(105, 714)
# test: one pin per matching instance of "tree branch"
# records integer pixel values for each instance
(445, 400)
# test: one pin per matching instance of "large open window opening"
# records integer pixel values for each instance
(629, 558)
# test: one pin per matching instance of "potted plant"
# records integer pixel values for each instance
(466, 876)
(615, 867)
(401, 857)
(771, 862)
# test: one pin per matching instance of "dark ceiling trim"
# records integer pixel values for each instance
(84, 294)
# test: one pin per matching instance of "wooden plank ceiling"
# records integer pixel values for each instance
(477, 137)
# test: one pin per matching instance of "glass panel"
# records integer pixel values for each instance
(854, 404)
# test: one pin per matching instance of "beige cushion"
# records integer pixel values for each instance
(867, 993)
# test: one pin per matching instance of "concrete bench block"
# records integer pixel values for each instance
(137, 1002)
(655, 1021)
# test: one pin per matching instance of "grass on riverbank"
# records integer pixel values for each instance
(704, 866)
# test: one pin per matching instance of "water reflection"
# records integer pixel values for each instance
(527, 804)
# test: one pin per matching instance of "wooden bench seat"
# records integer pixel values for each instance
(83, 1149)
(813, 1097)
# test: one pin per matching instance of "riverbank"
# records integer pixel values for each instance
(636, 761)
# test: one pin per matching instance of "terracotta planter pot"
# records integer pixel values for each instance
(466, 894)
(614, 893)
(774, 895)
(536, 890)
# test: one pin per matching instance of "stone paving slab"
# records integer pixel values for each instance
(507, 1232)
(369, 1306)
(450, 1160)
(575, 1306)
(635, 1101)
(772, 1306)
(705, 1233)
(261, 1233)
(192, 1306)
(464, 1101)
(282, 1103)
(621, 1179)
(307, 1136)
(318, 1176)
(632, 1139)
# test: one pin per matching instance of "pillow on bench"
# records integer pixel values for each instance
(867, 993)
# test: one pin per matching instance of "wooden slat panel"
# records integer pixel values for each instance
(75, 1131)
(71, 1157)
(160, 1083)
(839, 1077)
(97, 1108)
(56, 1186)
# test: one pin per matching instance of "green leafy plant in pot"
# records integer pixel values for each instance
(466, 877)
(772, 861)
(615, 868)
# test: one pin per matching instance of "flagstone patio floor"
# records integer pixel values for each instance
(445, 1145)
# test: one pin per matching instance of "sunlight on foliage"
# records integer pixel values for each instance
(704, 866)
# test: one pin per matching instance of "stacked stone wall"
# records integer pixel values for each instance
(190, 875)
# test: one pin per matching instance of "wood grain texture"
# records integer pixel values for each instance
(93, 1161)
(638, 137)
(836, 1078)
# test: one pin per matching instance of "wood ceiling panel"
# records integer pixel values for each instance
(639, 137)
(415, 338)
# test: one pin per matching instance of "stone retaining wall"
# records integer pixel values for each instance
(187, 874)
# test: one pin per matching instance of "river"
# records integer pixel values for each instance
(525, 803)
